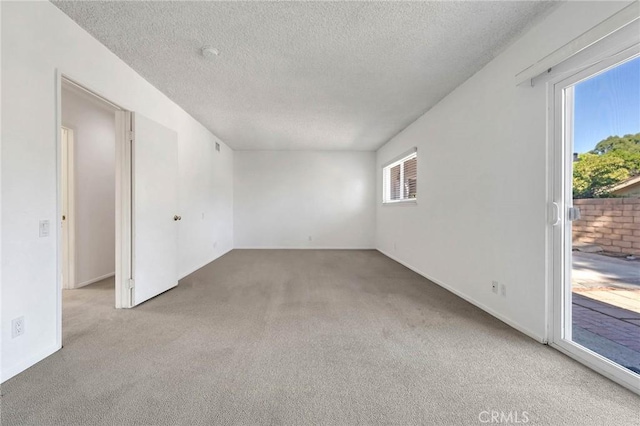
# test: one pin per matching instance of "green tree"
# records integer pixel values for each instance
(612, 161)
(626, 143)
(594, 175)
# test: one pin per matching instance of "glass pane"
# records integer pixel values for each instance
(605, 278)
(394, 182)
(411, 177)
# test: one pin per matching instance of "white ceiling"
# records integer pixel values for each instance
(306, 75)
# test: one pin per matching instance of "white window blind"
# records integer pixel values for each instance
(400, 179)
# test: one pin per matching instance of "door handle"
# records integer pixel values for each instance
(176, 217)
(574, 213)
(555, 218)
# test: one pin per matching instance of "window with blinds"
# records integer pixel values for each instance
(401, 179)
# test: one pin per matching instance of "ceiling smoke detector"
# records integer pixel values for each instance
(209, 52)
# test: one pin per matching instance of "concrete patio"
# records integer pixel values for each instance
(606, 306)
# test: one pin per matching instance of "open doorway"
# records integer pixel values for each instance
(88, 194)
(118, 207)
(117, 199)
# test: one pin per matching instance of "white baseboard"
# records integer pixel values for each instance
(20, 367)
(458, 293)
(191, 271)
(94, 280)
(303, 248)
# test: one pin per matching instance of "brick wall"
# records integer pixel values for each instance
(611, 223)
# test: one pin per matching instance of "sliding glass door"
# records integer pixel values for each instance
(596, 236)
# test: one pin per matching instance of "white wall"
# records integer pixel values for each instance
(37, 39)
(94, 146)
(482, 180)
(205, 197)
(283, 197)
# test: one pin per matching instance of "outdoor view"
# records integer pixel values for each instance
(606, 239)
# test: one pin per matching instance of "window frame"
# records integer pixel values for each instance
(386, 171)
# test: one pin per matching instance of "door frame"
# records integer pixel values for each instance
(123, 198)
(124, 210)
(559, 236)
(68, 208)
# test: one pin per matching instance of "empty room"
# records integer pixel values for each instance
(337, 213)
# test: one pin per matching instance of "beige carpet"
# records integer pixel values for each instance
(302, 337)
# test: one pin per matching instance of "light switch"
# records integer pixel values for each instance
(44, 228)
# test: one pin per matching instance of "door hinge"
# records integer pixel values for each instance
(131, 135)
(131, 283)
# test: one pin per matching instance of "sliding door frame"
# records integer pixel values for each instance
(560, 96)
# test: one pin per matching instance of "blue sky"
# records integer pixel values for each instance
(607, 104)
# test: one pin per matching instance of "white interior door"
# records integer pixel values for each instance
(155, 208)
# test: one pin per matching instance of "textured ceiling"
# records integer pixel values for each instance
(305, 75)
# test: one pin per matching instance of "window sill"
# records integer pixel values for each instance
(411, 202)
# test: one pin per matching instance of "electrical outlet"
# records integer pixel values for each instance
(44, 228)
(215, 244)
(203, 215)
(395, 246)
(310, 239)
(494, 286)
(17, 327)
(503, 290)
